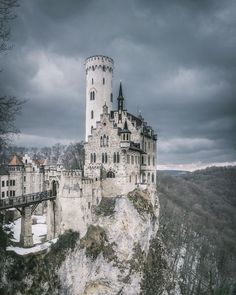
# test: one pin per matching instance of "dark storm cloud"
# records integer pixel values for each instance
(176, 60)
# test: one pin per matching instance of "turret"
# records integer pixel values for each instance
(99, 72)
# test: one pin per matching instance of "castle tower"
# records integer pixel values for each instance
(99, 72)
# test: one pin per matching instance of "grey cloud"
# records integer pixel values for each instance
(153, 43)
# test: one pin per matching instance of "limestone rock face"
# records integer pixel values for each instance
(110, 257)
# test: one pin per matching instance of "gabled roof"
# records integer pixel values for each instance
(16, 161)
(125, 128)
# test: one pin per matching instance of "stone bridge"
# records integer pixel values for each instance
(26, 205)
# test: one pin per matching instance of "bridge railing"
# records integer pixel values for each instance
(25, 200)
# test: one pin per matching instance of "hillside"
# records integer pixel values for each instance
(197, 227)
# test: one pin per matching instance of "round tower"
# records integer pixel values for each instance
(99, 72)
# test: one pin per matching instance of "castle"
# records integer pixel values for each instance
(120, 155)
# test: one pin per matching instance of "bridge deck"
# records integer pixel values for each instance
(26, 200)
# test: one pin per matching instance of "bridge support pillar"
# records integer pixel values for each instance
(26, 237)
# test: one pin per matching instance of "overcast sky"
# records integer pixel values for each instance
(176, 60)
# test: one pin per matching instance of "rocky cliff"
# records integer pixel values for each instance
(109, 259)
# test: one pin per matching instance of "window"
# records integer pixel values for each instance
(24, 178)
(104, 68)
(91, 114)
(114, 158)
(111, 97)
(88, 205)
(104, 140)
(10, 193)
(101, 141)
(118, 157)
(105, 157)
(91, 129)
(94, 158)
(130, 178)
(3, 194)
(3, 183)
(128, 159)
(24, 190)
(110, 174)
(92, 95)
(13, 193)
(102, 157)
(103, 81)
(13, 182)
(7, 183)
(7, 193)
(153, 161)
(132, 159)
(107, 140)
(149, 160)
(91, 158)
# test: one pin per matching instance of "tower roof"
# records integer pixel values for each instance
(15, 161)
(125, 128)
(120, 92)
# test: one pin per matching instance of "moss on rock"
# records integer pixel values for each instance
(141, 202)
(95, 242)
(106, 207)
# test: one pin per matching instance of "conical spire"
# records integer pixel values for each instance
(120, 99)
(120, 92)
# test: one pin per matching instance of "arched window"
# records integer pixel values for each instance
(93, 95)
(118, 157)
(103, 81)
(104, 140)
(114, 157)
(101, 141)
(94, 158)
(110, 174)
(104, 68)
(105, 157)
(91, 114)
(111, 97)
(102, 157)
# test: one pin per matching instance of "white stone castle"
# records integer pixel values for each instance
(120, 155)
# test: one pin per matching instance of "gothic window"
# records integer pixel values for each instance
(114, 157)
(111, 97)
(118, 157)
(93, 95)
(110, 174)
(104, 140)
(91, 114)
(103, 81)
(94, 158)
(101, 141)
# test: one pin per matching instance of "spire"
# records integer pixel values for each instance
(120, 99)
(120, 92)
